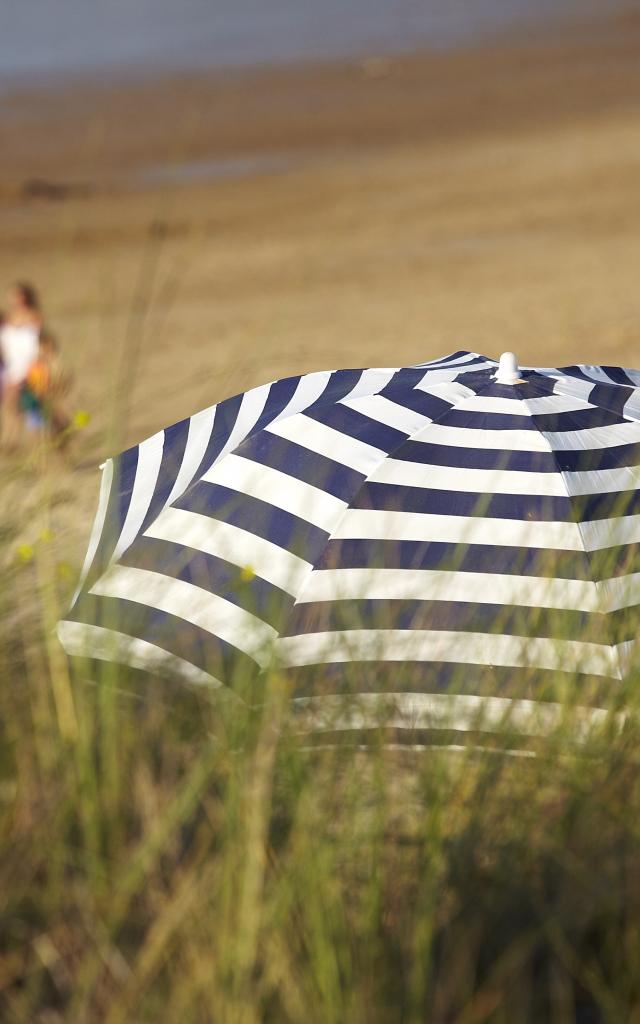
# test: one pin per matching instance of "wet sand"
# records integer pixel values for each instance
(376, 212)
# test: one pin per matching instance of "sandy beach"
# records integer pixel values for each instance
(196, 235)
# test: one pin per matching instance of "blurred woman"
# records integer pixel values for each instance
(19, 347)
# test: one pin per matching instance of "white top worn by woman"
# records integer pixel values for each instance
(19, 349)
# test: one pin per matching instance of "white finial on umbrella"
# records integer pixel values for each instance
(508, 369)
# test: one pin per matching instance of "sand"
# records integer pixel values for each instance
(384, 212)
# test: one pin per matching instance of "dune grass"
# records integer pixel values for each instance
(179, 854)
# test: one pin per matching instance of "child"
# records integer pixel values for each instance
(44, 389)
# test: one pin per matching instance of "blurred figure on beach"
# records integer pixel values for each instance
(35, 381)
(48, 382)
(19, 347)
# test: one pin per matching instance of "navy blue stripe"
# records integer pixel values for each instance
(618, 375)
(423, 403)
(578, 419)
(398, 498)
(479, 379)
(530, 507)
(485, 558)
(575, 371)
(210, 573)
(479, 420)
(570, 460)
(124, 474)
(466, 365)
(460, 354)
(613, 562)
(280, 394)
(168, 632)
(117, 505)
(175, 440)
(505, 740)
(426, 453)
(340, 384)
(125, 469)
(462, 616)
(612, 457)
(405, 380)
(533, 385)
(607, 505)
(449, 677)
(224, 421)
(255, 516)
(297, 461)
(355, 424)
(611, 397)
(114, 519)
(483, 382)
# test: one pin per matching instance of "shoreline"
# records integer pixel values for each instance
(317, 105)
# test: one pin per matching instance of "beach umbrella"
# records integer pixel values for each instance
(458, 536)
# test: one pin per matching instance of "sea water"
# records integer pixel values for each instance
(44, 38)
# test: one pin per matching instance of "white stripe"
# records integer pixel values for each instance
(449, 391)
(98, 525)
(588, 535)
(597, 373)
(468, 437)
(198, 437)
(620, 592)
(517, 405)
(371, 382)
(444, 374)
(606, 533)
(392, 414)
(445, 361)
(599, 481)
(573, 387)
(241, 548)
(446, 646)
(461, 712)
(627, 656)
(193, 604)
(594, 437)
(472, 359)
(251, 406)
(83, 640)
(373, 524)
(455, 478)
(477, 587)
(318, 437)
(507, 481)
(278, 489)
(605, 596)
(309, 389)
(632, 407)
(437, 749)
(149, 460)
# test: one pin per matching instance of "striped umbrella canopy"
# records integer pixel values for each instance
(456, 532)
